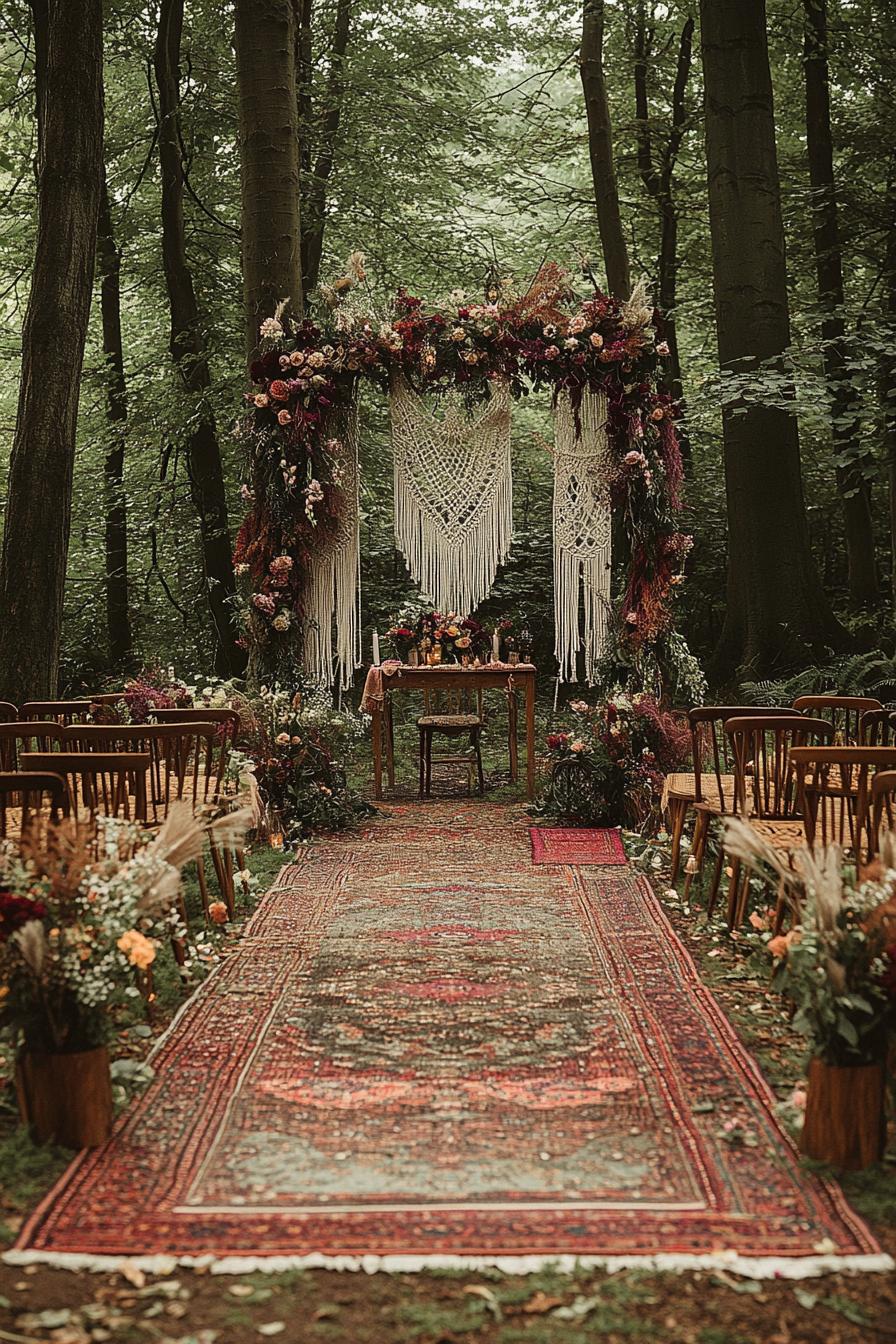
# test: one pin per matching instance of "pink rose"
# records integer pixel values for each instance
(597, 340)
(283, 417)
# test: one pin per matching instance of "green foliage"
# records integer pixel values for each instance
(871, 674)
(462, 143)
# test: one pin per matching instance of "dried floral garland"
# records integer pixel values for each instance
(548, 337)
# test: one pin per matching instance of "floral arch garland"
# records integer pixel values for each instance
(302, 467)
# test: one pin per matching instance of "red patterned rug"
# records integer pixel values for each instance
(425, 1049)
(563, 844)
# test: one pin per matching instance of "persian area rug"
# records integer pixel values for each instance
(426, 1049)
(560, 844)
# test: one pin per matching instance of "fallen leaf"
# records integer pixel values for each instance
(540, 1303)
(805, 1299)
(134, 1276)
(327, 1312)
(488, 1297)
(580, 1308)
(51, 1319)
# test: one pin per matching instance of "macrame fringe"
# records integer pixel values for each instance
(453, 495)
(582, 533)
(748, 1267)
(333, 597)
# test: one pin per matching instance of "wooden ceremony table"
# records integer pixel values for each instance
(454, 677)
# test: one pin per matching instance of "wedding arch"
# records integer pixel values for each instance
(616, 449)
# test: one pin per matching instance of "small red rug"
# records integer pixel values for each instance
(425, 1049)
(560, 844)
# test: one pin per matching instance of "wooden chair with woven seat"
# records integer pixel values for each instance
(451, 714)
(36, 735)
(883, 809)
(228, 718)
(837, 794)
(877, 728)
(109, 784)
(843, 712)
(709, 789)
(29, 797)
(768, 788)
(187, 763)
(63, 711)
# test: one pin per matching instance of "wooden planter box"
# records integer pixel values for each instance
(845, 1123)
(66, 1098)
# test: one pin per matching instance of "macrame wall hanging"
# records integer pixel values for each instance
(332, 604)
(453, 493)
(582, 532)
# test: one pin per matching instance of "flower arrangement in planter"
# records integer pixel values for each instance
(298, 751)
(836, 967)
(82, 914)
(608, 765)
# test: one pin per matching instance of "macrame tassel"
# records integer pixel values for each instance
(453, 494)
(333, 598)
(582, 533)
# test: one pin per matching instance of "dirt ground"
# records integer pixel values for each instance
(315, 1306)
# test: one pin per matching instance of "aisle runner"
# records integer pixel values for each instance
(428, 1047)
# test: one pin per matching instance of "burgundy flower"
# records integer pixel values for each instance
(15, 911)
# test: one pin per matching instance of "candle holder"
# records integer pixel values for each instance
(275, 830)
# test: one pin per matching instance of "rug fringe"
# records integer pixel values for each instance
(748, 1267)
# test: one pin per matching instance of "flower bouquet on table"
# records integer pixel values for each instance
(439, 637)
(836, 967)
(608, 765)
(82, 914)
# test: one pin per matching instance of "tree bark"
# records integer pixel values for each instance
(69, 78)
(852, 480)
(117, 611)
(314, 198)
(776, 607)
(266, 36)
(600, 149)
(658, 181)
(188, 350)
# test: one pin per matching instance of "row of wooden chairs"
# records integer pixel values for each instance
(793, 780)
(133, 771)
(854, 721)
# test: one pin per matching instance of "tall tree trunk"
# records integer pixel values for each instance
(314, 200)
(188, 350)
(69, 70)
(600, 149)
(269, 154)
(852, 481)
(658, 181)
(775, 603)
(117, 612)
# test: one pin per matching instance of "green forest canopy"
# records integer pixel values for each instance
(461, 146)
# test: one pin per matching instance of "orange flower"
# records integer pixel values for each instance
(217, 912)
(138, 949)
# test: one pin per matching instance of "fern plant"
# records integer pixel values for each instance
(870, 673)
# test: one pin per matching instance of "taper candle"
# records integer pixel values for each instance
(376, 649)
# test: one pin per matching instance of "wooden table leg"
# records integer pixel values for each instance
(376, 730)
(530, 738)
(390, 740)
(512, 717)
